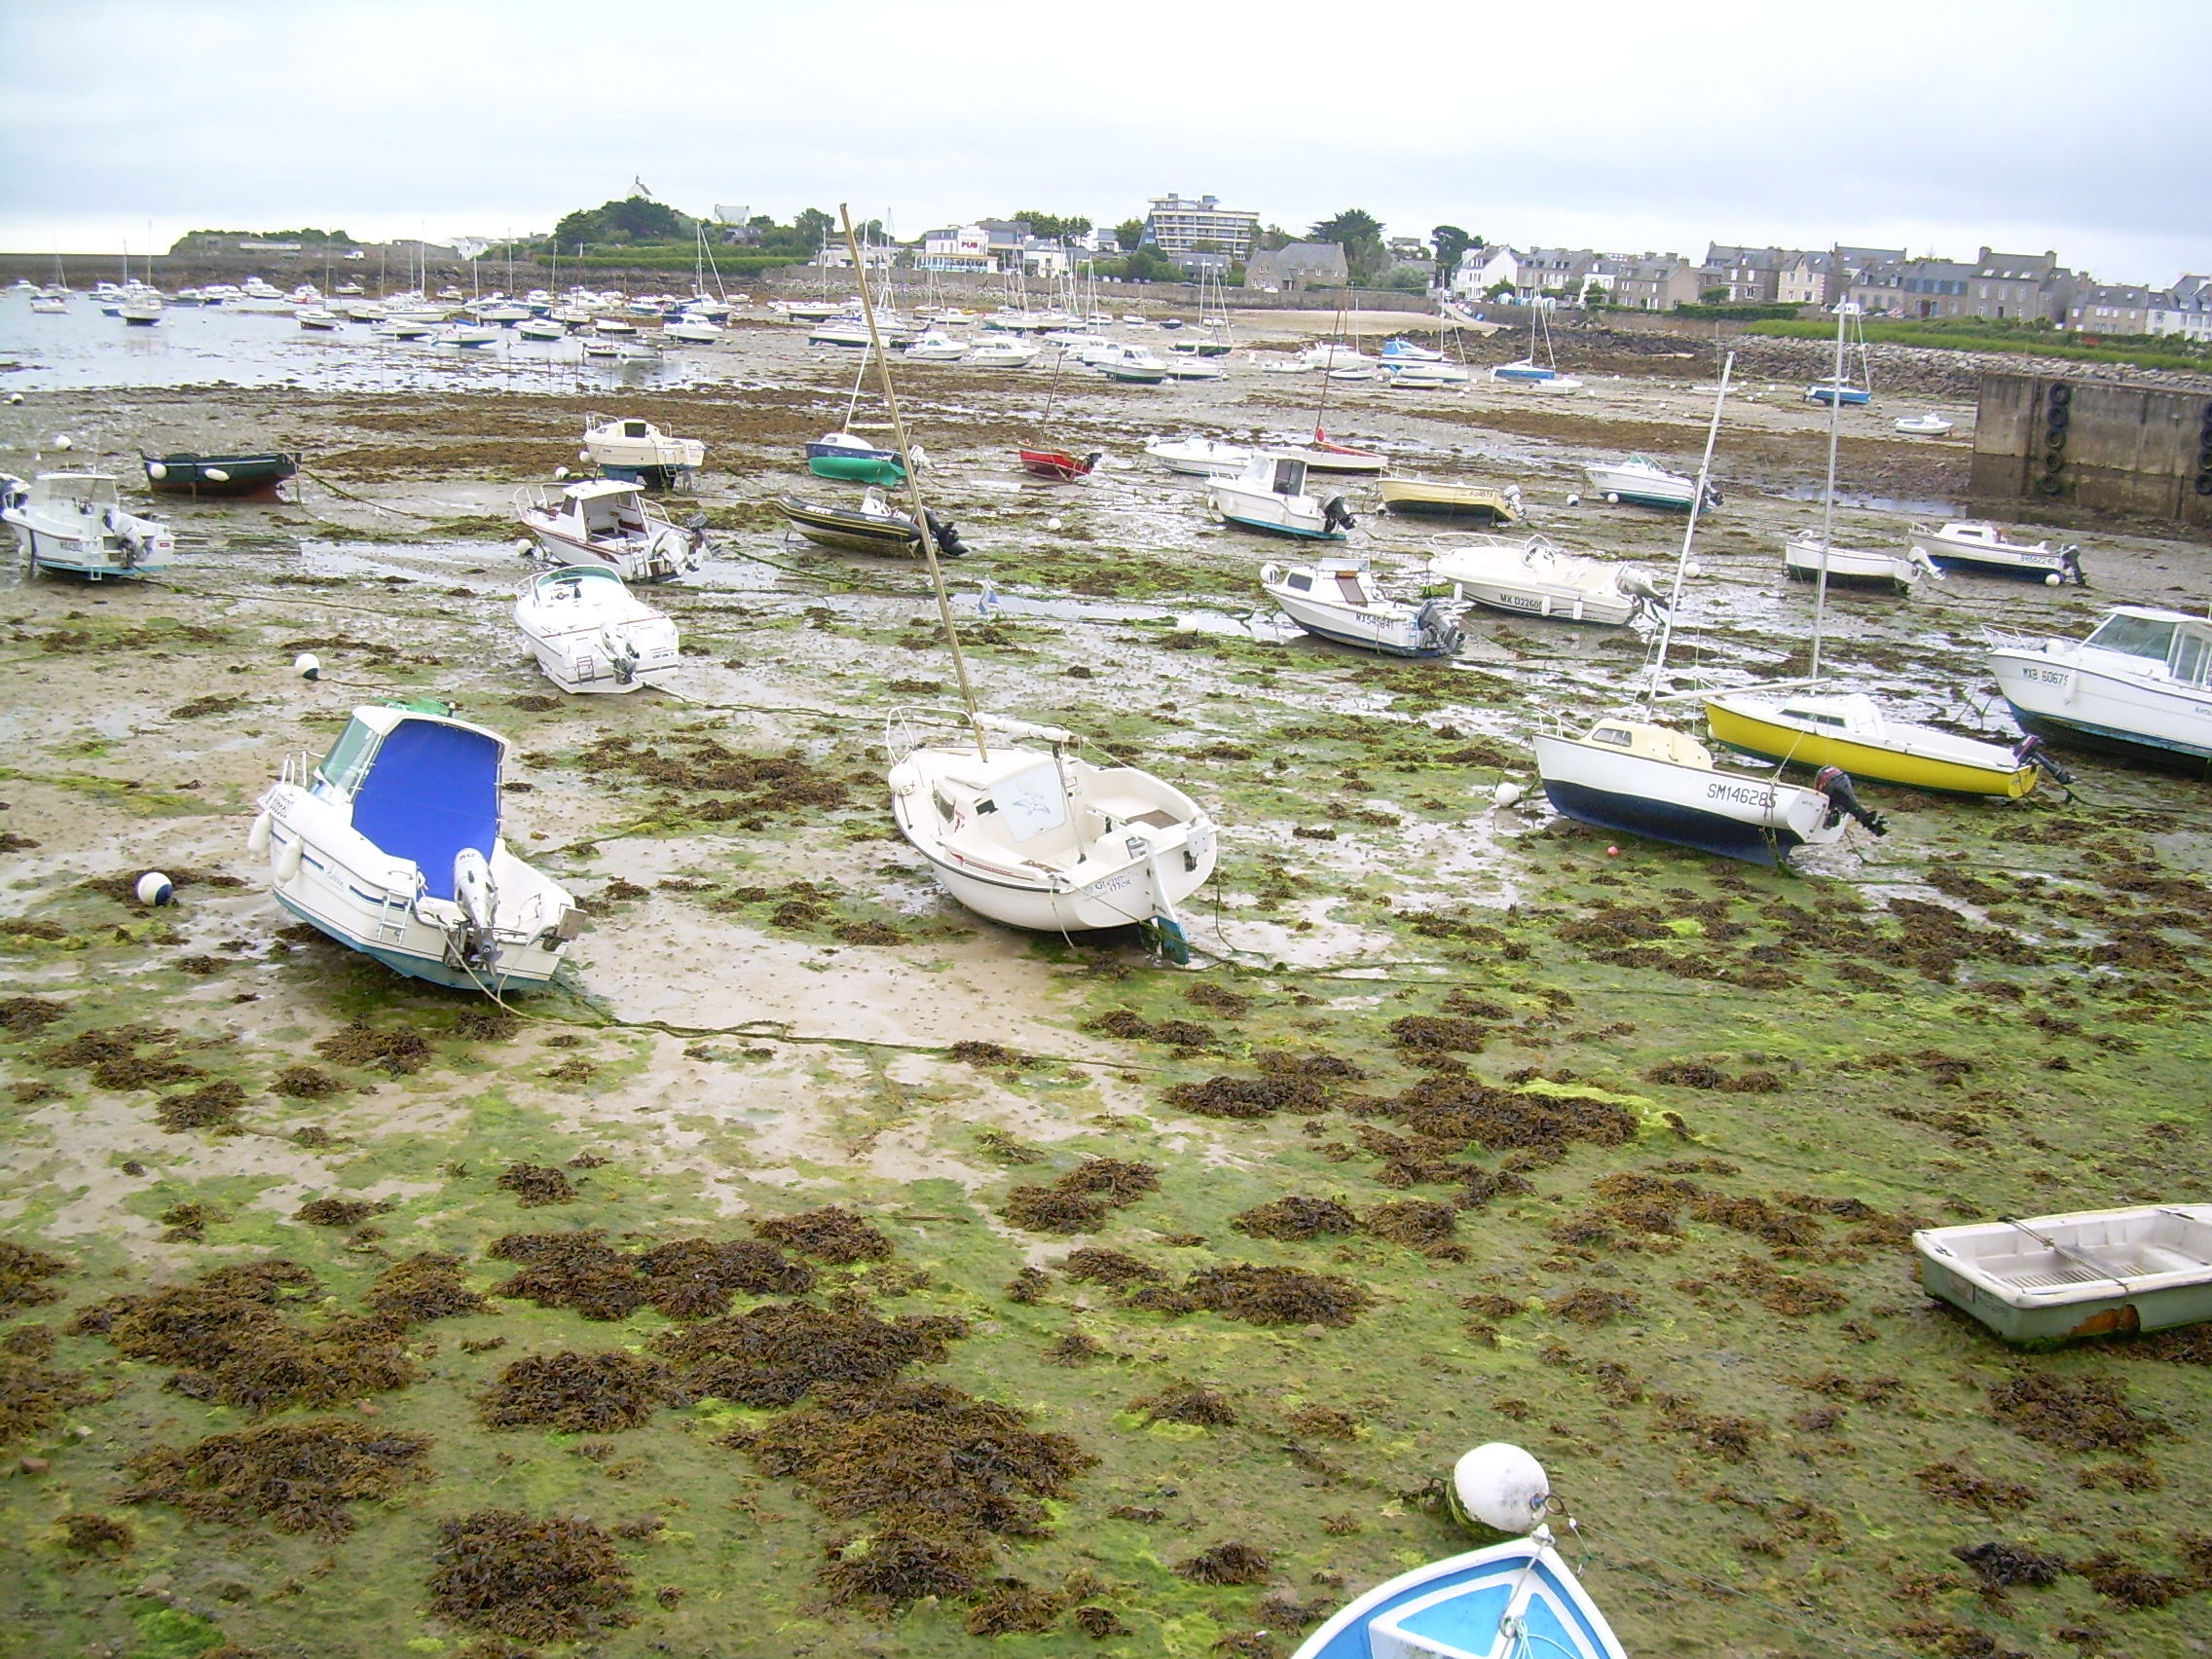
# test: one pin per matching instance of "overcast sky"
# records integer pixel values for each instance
(1936, 125)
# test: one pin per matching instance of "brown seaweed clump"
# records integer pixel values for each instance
(27, 1016)
(307, 1083)
(1081, 1199)
(1012, 1606)
(776, 1353)
(577, 1270)
(692, 1278)
(1250, 1097)
(1116, 1269)
(297, 1476)
(536, 1185)
(1951, 1482)
(1295, 1217)
(34, 1396)
(1186, 1402)
(361, 1043)
(424, 1286)
(85, 1533)
(1228, 1562)
(24, 1275)
(1418, 1225)
(576, 1393)
(1276, 1296)
(831, 1234)
(2131, 1584)
(1588, 1305)
(511, 1573)
(2003, 1565)
(211, 1106)
(901, 1565)
(2085, 1414)
(341, 1212)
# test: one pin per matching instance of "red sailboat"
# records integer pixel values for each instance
(1059, 466)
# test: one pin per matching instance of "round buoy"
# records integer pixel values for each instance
(1573, 501)
(155, 888)
(14, 397)
(62, 442)
(308, 666)
(1501, 1486)
(156, 471)
(560, 474)
(1053, 524)
(2051, 579)
(1505, 794)
(524, 547)
(1693, 569)
(1612, 852)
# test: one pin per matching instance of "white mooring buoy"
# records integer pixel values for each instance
(155, 888)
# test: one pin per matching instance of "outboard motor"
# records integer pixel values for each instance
(946, 538)
(1642, 590)
(1712, 497)
(1336, 514)
(1091, 461)
(621, 656)
(1843, 800)
(479, 899)
(2070, 565)
(1437, 628)
(2033, 753)
(1919, 556)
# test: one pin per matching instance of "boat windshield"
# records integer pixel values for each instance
(348, 761)
(2134, 636)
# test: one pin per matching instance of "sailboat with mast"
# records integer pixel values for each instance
(1809, 723)
(1014, 824)
(1061, 466)
(1627, 773)
(1526, 371)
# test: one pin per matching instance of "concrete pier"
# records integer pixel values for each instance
(2134, 449)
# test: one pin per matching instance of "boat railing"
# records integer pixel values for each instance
(532, 498)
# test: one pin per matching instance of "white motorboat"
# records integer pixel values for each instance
(1977, 544)
(2092, 1273)
(2141, 683)
(505, 313)
(1643, 482)
(613, 327)
(937, 347)
(542, 328)
(1199, 457)
(1398, 349)
(610, 522)
(1270, 494)
(468, 334)
(393, 846)
(50, 303)
(363, 310)
(1338, 599)
(1516, 1599)
(589, 633)
(848, 331)
(1020, 829)
(1132, 366)
(1802, 556)
(319, 318)
(76, 521)
(1423, 376)
(1928, 426)
(141, 311)
(1191, 369)
(637, 452)
(400, 328)
(1533, 577)
(1005, 352)
(1353, 372)
(693, 330)
(1335, 354)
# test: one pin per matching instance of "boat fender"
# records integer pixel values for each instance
(257, 839)
(286, 864)
(560, 475)
(308, 666)
(1502, 1486)
(156, 471)
(906, 779)
(1574, 500)
(214, 475)
(155, 888)
(1843, 800)
(1336, 514)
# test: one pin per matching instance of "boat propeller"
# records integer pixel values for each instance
(1336, 514)
(2032, 752)
(944, 535)
(1843, 800)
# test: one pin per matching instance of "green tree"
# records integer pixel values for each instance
(1360, 235)
(1449, 243)
(1129, 233)
(1405, 279)
(1274, 237)
(1055, 227)
(1712, 296)
(811, 226)
(1149, 265)
(1501, 289)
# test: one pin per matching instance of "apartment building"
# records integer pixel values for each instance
(1176, 225)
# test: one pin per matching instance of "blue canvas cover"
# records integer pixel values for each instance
(432, 790)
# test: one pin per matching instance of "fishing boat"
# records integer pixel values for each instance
(855, 459)
(391, 845)
(1805, 556)
(637, 452)
(2141, 684)
(1058, 464)
(1928, 426)
(613, 523)
(319, 320)
(542, 328)
(1020, 829)
(76, 521)
(1132, 366)
(141, 311)
(1977, 544)
(1005, 352)
(937, 347)
(187, 474)
(1516, 1599)
(1536, 578)
(1199, 457)
(1193, 369)
(1805, 727)
(1338, 599)
(1452, 500)
(1270, 494)
(874, 525)
(1643, 482)
(693, 330)
(467, 335)
(589, 633)
(2089, 1274)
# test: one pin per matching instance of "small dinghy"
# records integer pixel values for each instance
(1270, 494)
(1199, 457)
(1020, 829)
(1452, 500)
(1337, 599)
(1977, 544)
(637, 452)
(604, 520)
(1322, 454)
(1643, 482)
(1840, 393)
(589, 633)
(1512, 1601)
(76, 521)
(854, 459)
(1058, 464)
(1536, 578)
(874, 525)
(1802, 556)
(218, 474)
(1928, 426)
(391, 845)
(2092, 1273)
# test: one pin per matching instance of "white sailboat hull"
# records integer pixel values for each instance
(1801, 556)
(1733, 814)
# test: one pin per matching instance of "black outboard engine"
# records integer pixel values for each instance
(2033, 753)
(1091, 461)
(1712, 497)
(1843, 800)
(946, 538)
(1336, 514)
(696, 524)
(1437, 628)
(2070, 566)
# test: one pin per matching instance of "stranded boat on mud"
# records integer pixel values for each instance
(1536, 578)
(1977, 544)
(219, 474)
(1337, 599)
(2142, 683)
(637, 452)
(613, 523)
(75, 522)
(589, 633)
(391, 846)
(875, 526)
(2094, 1272)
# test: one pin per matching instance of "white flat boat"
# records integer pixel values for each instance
(1199, 457)
(1802, 556)
(589, 633)
(1977, 544)
(1270, 494)
(76, 521)
(1929, 426)
(637, 452)
(606, 521)
(2090, 1274)
(1643, 482)
(1533, 577)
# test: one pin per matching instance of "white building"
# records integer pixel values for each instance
(1482, 268)
(2185, 308)
(958, 248)
(1176, 225)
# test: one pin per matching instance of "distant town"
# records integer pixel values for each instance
(1203, 241)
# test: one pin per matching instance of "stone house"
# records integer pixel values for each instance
(1656, 281)
(2110, 307)
(1552, 273)
(1296, 266)
(2026, 285)
(1806, 279)
(1914, 288)
(1753, 276)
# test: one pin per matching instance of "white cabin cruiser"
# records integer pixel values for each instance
(637, 452)
(2141, 683)
(75, 521)
(1644, 483)
(1270, 494)
(1535, 577)
(391, 845)
(1026, 833)
(693, 330)
(1002, 353)
(1338, 599)
(611, 523)
(589, 633)
(1928, 425)
(937, 347)
(1199, 457)
(1980, 545)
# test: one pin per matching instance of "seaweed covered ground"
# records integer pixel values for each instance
(819, 1269)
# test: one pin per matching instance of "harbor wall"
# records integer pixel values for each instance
(2099, 444)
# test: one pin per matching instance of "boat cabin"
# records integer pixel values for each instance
(87, 493)
(2159, 643)
(607, 509)
(1980, 533)
(1274, 474)
(1337, 582)
(1019, 807)
(1650, 743)
(1853, 714)
(424, 787)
